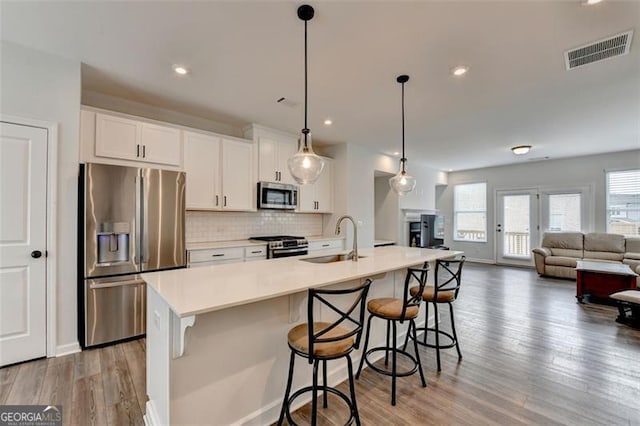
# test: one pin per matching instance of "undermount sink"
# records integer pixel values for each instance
(330, 258)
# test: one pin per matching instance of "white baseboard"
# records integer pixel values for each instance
(68, 349)
(486, 261)
(151, 416)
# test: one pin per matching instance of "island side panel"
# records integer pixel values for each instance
(158, 353)
(235, 363)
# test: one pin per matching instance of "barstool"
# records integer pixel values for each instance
(325, 341)
(447, 280)
(395, 310)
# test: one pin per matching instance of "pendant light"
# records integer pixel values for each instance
(305, 166)
(402, 183)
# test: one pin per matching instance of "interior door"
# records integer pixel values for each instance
(517, 226)
(23, 219)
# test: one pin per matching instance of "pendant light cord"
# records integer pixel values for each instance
(306, 129)
(404, 159)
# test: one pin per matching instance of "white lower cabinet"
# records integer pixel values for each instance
(220, 173)
(322, 245)
(220, 256)
(318, 197)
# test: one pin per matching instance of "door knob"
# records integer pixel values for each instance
(36, 254)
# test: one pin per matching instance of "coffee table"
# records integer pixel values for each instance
(600, 279)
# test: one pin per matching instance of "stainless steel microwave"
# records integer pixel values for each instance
(277, 196)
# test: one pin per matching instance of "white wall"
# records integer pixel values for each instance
(386, 213)
(354, 167)
(41, 86)
(573, 172)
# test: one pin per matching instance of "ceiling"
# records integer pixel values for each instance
(244, 56)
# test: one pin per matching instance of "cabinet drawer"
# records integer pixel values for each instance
(325, 245)
(255, 251)
(235, 253)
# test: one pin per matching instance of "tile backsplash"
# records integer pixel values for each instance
(226, 226)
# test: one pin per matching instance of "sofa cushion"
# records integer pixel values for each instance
(593, 259)
(563, 252)
(599, 242)
(560, 271)
(563, 240)
(561, 261)
(632, 247)
(603, 255)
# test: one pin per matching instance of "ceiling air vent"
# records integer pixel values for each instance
(616, 45)
(287, 102)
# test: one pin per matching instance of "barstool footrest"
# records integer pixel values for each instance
(442, 333)
(320, 389)
(389, 372)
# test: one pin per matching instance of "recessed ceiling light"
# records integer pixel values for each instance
(459, 71)
(521, 149)
(328, 122)
(450, 170)
(591, 2)
(396, 153)
(180, 69)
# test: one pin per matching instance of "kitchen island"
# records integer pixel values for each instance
(217, 336)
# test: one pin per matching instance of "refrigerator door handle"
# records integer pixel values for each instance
(144, 239)
(138, 188)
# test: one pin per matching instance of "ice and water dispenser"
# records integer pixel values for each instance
(113, 242)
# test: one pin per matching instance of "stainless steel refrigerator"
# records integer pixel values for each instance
(131, 220)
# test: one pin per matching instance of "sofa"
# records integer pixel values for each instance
(561, 250)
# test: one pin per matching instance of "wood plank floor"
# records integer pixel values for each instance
(531, 356)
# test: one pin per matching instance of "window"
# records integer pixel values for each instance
(470, 212)
(623, 202)
(565, 213)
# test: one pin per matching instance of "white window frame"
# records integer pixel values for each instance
(606, 191)
(455, 213)
(586, 205)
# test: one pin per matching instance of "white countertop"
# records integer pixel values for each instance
(205, 245)
(199, 290)
(377, 243)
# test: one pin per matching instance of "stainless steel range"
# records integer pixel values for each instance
(284, 246)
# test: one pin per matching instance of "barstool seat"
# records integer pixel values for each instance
(428, 295)
(391, 308)
(298, 338)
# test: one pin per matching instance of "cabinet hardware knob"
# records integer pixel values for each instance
(36, 254)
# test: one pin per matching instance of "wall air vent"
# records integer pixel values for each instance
(287, 102)
(609, 47)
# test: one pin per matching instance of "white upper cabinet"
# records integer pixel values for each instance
(202, 165)
(318, 197)
(219, 173)
(127, 139)
(274, 150)
(238, 182)
(272, 159)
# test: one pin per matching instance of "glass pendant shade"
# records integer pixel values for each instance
(305, 166)
(402, 183)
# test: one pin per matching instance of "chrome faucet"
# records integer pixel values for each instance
(354, 253)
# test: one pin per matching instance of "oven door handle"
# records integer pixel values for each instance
(292, 250)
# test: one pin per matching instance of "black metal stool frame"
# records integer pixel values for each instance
(420, 274)
(451, 282)
(356, 307)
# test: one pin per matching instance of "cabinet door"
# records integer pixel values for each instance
(307, 194)
(237, 175)
(324, 189)
(202, 165)
(286, 150)
(117, 137)
(268, 160)
(160, 144)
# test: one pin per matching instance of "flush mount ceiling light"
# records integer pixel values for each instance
(459, 71)
(305, 165)
(521, 149)
(590, 2)
(402, 183)
(180, 69)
